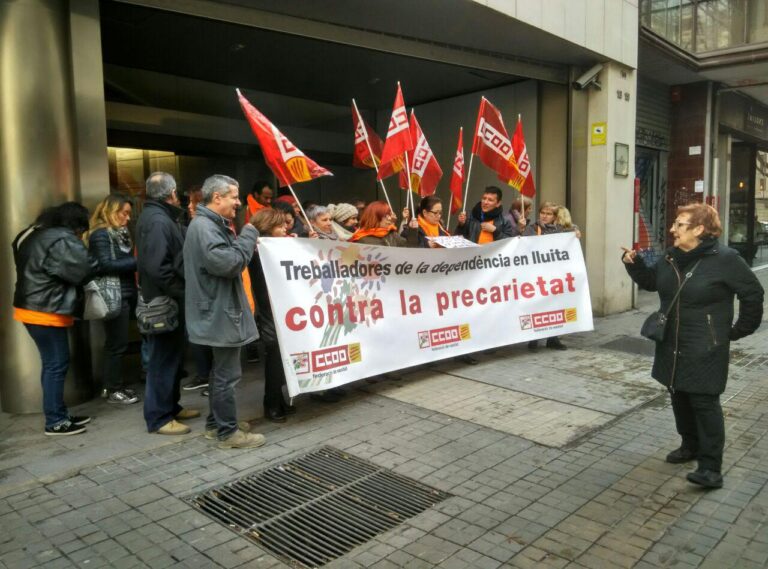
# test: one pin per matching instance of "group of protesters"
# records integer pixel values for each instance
(198, 262)
(199, 281)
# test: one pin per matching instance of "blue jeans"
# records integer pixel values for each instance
(53, 344)
(162, 394)
(225, 375)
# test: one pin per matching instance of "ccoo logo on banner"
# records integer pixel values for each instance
(345, 311)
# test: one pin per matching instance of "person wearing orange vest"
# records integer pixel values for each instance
(486, 222)
(51, 265)
(259, 198)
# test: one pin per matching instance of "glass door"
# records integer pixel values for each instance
(742, 225)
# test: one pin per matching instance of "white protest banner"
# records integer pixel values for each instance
(345, 311)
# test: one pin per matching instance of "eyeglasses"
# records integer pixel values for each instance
(436, 212)
(679, 224)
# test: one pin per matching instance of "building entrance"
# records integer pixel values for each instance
(748, 203)
(651, 169)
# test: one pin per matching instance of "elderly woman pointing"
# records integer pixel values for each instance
(696, 281)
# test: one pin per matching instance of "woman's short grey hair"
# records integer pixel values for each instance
(316, 211)
(217, 184)
(160, 186)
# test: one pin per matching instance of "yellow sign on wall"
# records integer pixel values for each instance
(599, 133)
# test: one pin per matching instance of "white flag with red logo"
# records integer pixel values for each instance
(457, 177)
(527, 188)
(425, 171)
(398, 135)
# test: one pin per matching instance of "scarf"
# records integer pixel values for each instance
(342, 231)
(684, 258)
(479, 215)
(379, 232)
(431, 229)
(122, 237)
(323, 235)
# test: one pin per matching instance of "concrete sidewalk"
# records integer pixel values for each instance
(552, 459)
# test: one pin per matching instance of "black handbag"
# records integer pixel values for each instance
(655, 325)
(158, 316)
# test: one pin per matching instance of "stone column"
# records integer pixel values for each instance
(602, 200)
(52, 149)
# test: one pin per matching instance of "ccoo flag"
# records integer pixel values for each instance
(425, 171)
(398, 135)
(527, 188)
(457, 177)
(367, 141)
(288, 163)
(493, 146)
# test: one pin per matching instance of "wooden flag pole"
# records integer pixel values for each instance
(466, 188)
(370, 150)
(304, 213)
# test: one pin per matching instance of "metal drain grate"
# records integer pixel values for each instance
(317, 507)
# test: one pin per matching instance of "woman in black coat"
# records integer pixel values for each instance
(52, 264)
(692, 360)
(110, 245)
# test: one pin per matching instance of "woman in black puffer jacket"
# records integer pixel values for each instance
(111, 247)
(692, 360)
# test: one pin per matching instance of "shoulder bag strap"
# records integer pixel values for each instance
(688, 275)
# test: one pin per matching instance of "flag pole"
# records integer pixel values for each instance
(410, 191)
(370, 151)
(466, 188)
(304, 213)
(522, 198)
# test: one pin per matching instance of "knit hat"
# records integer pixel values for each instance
(341, 212)
(286, 199)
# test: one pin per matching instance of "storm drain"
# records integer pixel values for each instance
(313, 509)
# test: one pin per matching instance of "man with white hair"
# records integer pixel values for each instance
(160, 264)
(217, 309)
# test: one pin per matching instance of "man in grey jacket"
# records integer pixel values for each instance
(217, 310)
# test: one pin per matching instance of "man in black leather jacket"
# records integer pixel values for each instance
(160, 263)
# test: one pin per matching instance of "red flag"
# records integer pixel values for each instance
(288, 163)
(493, 146)
(425, 171)
(398, 135)
(366, 140)
(457, 177)
(527, 188)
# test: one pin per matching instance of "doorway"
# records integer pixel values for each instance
(651, 170)
(748, 203)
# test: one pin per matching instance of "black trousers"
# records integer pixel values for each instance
(699, 420)
(274, 377)
(115, 344)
